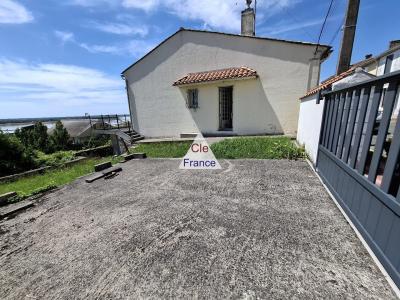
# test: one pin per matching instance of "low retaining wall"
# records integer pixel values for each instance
(98, 151)
(39, 170)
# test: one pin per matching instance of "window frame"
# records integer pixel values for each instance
(192, 98)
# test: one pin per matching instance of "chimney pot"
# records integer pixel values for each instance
(248, 22)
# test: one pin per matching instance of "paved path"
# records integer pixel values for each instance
(256, 229)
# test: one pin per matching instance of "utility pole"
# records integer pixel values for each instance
(349, 33)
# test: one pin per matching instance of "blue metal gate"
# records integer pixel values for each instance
(358, 159)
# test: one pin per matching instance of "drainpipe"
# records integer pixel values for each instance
(127, 95)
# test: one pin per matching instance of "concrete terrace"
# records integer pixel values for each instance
(256, 229)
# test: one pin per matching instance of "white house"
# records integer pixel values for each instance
(311, 108)
(219, 83)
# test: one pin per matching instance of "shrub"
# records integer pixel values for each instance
(14, 157)
(34, 137)
(54, 159)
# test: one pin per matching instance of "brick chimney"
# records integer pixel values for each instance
(248, 22)
(394, 43)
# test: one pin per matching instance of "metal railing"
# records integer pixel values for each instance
(107, 122)
(361, 128)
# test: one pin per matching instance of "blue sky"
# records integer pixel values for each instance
(63, 58)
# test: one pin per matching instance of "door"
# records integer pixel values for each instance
(225, 108)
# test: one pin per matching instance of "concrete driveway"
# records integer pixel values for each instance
(256, 229)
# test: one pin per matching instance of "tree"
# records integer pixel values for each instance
(14, 157)
(41, 138)
(34, 137)
(60, 138)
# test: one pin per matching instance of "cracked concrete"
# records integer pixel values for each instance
(255, 229)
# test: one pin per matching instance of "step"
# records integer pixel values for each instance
(15, 208)
(4, 198)
(102, 166)
(112, 170)
(135, 156)
(137, 139)
(188, 135)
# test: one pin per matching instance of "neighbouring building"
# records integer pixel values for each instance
(80, 130)
(311, 104)
(219, 83)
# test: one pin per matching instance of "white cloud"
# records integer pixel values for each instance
(218, 14)
(92, 3)
(59, 84)
(146, 5)
(64, 36)
(11, 12)
(135, 48)
(121, 28)
(288, 26)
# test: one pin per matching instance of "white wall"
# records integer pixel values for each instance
(395, 63)
(310, 119)
(252, 113)
(159, 109)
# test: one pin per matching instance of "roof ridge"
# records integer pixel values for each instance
(227, 34)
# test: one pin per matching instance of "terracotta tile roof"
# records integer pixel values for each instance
(331, 80)
(215, 75)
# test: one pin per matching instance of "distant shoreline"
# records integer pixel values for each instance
(54, 119)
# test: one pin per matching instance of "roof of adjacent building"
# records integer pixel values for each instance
(76, 128)
(324, 55)
(331, 80)
(216, 75)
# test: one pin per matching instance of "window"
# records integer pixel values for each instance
(388, 64)
(193, 98)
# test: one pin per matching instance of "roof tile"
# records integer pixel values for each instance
(215, 75)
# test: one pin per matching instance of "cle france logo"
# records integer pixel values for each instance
(200, 156)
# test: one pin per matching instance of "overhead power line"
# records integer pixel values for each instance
(323, 26)
(336, 33)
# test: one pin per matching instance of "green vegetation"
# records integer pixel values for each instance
(31, 147)
(231, 148)
(39, 183)
(257, 147)
(53, 159)
(60, 139)
(34, 137)
(14, 157)
(164, 149)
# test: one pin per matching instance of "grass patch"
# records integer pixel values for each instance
(257, 147)
(164, 150)
(51, 179)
